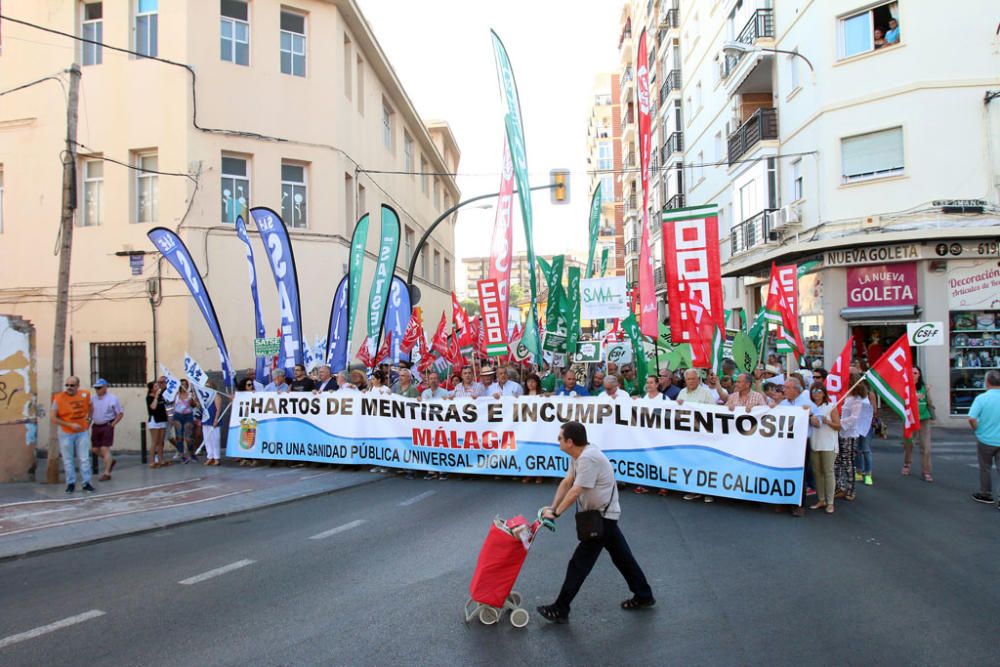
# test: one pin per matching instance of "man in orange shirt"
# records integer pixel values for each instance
(72, 412)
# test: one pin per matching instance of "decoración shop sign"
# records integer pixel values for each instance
(881, 285)
(974, 287)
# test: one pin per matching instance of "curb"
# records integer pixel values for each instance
(183, 522)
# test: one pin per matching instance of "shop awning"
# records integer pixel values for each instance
(882, 313)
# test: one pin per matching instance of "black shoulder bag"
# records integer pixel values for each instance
(590, 523)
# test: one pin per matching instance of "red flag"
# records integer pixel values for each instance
(440, 341)
(426, 358)
(460, 322)
(648, 321)
(413, 334)
(840, 374)
(455, 356)
(892, 378)
(364, 354)
(503, 235)
(694, 283)
(782, 307)
(386, 350)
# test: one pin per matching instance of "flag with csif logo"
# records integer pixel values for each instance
(175, 252)
(840, 373)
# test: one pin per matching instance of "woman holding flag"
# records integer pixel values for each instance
(926, 411)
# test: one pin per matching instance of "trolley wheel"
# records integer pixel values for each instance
(471, 608)
(489, 615)
(514, 599)
(519, 617)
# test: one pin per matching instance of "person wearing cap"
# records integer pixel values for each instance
(72, 412)
(107, 413)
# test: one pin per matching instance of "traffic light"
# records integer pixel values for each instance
(559, 179)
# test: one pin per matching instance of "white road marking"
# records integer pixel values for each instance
(338, 529)
(51, 627)
(197, 579)
(316, 474)
(417, 499)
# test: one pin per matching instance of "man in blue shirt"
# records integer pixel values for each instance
(667, 386)
(892, 34)
(984, 417)
(570, 387)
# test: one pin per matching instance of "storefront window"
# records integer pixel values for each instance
(974, 330)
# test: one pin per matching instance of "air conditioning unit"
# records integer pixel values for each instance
(786, 216)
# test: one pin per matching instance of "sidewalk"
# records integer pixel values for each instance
(40, 517)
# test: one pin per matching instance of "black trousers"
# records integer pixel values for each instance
(586, 555)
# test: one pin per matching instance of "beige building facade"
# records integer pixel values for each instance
(291, 104)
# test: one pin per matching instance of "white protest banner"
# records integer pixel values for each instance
(699, 449)
(603, 298)
(194, 371)
(173, 384)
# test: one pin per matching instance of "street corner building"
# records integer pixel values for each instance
(288, 105)
(859, 142)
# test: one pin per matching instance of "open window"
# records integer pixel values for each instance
(871, 29)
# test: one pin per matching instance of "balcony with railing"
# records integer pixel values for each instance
(762, 125)
(632, 247)
(760, 26)
(752, 232)
(660, 277)
(630, 160)
(670, 15)
(626, 78)
(673, 144)
(677, 201)
(672, 82)
(631, 203)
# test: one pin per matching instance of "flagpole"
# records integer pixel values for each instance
(864, 376)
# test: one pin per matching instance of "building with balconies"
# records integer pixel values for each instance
(604, 160)
(863, 142)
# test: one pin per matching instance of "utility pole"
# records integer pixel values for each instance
(65, 250)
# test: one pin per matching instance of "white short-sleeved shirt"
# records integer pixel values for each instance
(593, 473)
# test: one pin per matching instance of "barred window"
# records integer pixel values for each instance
(121, 364)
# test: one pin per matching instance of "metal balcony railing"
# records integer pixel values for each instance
(677, 201)
(660, 277)
(763, 124)
(673, 144)
(669, 16)
(632, 247)
(752, 232)
(626, 77)
(630, 159)
(632, 202)
(626, 120)
(672, 82)
(761, 24)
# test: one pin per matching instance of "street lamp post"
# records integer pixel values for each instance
(739, 48)
(415, 293)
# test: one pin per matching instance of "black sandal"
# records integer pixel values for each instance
(637, 603)
(550, 613)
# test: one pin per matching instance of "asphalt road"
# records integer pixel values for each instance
(906, 575)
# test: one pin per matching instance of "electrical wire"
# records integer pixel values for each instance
(51, 77)
(95, 154)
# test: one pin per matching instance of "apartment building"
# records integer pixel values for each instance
(861, 140)
(478, 268)
(278, 104)
(604, 160)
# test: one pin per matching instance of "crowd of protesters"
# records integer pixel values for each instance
(838, 456)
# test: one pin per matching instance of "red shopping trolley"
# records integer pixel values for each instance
(500, 560)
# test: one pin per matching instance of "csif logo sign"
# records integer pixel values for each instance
(925, 334)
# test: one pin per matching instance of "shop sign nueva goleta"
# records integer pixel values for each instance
(882, 285)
